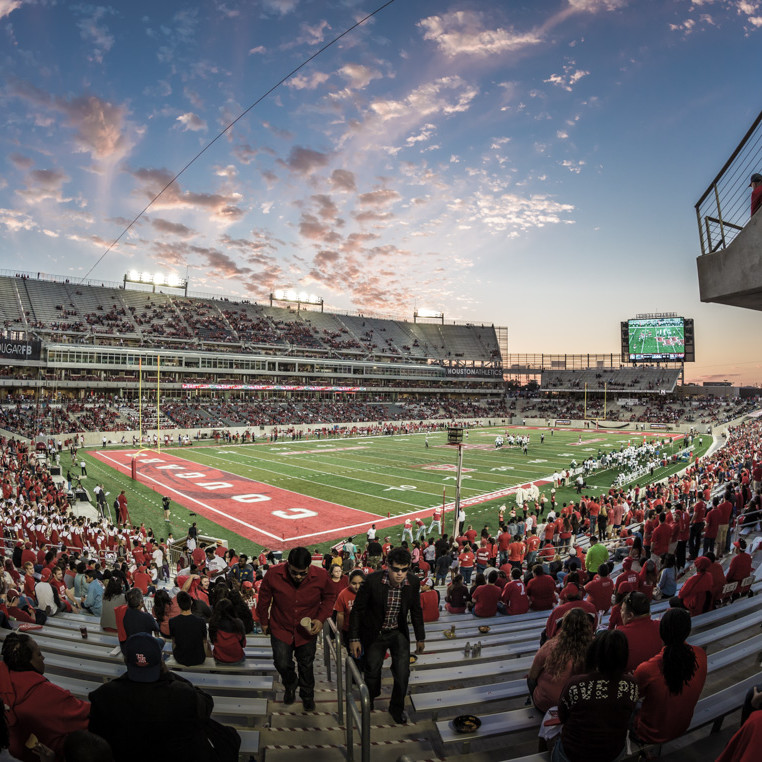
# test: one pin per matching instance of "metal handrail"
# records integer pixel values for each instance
(362, 718)
(332, 651)
(723, 207)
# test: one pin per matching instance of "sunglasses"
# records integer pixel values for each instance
(298, 572)
(397, 570)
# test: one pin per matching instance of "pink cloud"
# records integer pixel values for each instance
(98, 124)
(343, 179)
(304, 161)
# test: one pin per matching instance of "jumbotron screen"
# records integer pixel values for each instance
(656, 338)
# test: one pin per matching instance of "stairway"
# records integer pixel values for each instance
(293, 735)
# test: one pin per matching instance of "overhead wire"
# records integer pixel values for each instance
(229, 126)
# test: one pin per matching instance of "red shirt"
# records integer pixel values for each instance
(644, 640)
(429, 605)
(515, 598)
(726, 509)
(664, 716)
(281, 604)
(485, 599)
(713, 520)
(660, 539)
(551, 626)
(599, 592)
(466, 559)
(740, 568)
(516, 551)
(542, 592)
(699, 511)
(344, 603)
(42, 708)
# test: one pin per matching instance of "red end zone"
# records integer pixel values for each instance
(266, 515)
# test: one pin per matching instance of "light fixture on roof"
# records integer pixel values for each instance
(165, 280)
(428, 315)
(300, 298)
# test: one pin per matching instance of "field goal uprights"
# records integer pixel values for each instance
(149, 445)
(596, 418)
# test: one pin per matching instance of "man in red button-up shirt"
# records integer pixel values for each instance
(289, 593)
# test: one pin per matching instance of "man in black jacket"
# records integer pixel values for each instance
(379, 623)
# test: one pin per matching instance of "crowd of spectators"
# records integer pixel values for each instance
(205, 599)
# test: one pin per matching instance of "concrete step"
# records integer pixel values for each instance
(418, 749)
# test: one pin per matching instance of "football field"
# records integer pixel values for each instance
(311, 492)
(665, 339)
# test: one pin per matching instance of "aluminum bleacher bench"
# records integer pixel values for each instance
(464, 670)
(515, 720)
(225, 706)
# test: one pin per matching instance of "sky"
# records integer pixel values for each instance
(531, 164)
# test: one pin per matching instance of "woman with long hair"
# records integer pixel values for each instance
(164, 608)
(457, 596)
(112, 597)
(595, 707)
(226, 631)
(670, 683)
(559, 658)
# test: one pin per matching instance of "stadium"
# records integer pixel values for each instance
(554, 556)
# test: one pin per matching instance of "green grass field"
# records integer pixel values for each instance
(649, 340)
(390, 475)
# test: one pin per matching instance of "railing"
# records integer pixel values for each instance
(362, 718)
(332, 653)
(723, 209)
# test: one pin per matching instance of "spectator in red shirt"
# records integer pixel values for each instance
(696, 593)
(514, 598)
(726, 511)
(697, 527)
(718, 576)
(558, 659)
(600, 590)
(36, 705)
(571, 597)
(541, 590)
(669, 683)
(740, 566)
(641, 631)
(486, 597)
(660, 537)
(712, 526)
(290, 593)
(344, 602)
(429, 600)
(516, 552)
(466, 561)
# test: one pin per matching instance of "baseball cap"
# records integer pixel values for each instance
(755, 178)
(740, 544)
(703, 563)
(143, 657)
(246, 584)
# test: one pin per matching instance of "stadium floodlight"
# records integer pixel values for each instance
(167, 280)
(299, 298)
(428, 314)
